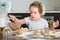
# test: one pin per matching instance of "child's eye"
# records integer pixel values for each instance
(31, 12)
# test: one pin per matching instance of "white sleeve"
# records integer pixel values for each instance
(26, 20)
(46, 24)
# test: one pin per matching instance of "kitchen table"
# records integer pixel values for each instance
(26, 37)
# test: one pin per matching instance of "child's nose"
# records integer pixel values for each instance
(33, 14)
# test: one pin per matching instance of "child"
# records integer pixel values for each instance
(34, 22)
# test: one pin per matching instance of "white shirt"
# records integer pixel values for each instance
(39, 24)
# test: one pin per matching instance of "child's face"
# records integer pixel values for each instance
(34, 13)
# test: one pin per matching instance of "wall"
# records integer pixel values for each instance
(22, 5)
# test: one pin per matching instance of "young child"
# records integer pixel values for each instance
(35, 21)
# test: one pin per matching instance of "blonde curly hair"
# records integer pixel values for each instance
(40, 7)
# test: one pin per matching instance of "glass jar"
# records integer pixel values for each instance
(7, 33)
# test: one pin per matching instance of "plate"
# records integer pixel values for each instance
(25, 34)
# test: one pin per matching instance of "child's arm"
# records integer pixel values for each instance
(19, 22)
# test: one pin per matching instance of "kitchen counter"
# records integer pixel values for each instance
(27, 38)
(52, 11)
(21, 38)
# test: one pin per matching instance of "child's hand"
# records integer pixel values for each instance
(56, 24)
(13, 18)
(13, 26)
